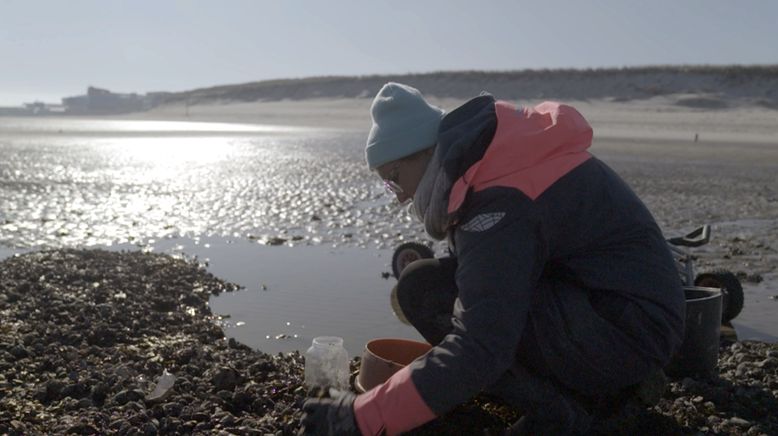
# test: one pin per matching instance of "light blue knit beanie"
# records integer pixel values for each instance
(403, 124)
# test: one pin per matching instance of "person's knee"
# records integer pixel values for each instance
(415, 280)
(426, 273)
(417, 273)
(425, 295)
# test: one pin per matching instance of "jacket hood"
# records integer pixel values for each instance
(531, 148)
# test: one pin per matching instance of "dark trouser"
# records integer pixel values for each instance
(570, 347)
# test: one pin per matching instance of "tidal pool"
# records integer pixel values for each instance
(293, 294)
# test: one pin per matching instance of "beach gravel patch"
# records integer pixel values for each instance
(86, 336)
(86, 333)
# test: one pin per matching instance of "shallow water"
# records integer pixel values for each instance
(192, 187)
(293, 294)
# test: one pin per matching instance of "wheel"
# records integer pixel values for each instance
(731, 289)
(407, 253)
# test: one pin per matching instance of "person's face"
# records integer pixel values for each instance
(402, 176)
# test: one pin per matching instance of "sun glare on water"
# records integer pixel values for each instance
(165, 149)
(172, 152)
(149, 126)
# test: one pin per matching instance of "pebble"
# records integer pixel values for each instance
(739, 421)
(85, 429)
(225, 379)
(126, 396)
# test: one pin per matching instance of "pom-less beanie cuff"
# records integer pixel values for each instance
(403, 124)
(402, 144)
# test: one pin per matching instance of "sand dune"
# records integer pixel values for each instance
(708, 87)
(726, 103)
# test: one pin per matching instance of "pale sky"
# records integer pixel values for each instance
(51, 49)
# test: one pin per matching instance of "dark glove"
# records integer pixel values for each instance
(330, 416)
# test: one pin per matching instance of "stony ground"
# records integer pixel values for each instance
(86, 334)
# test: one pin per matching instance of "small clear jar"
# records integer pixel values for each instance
(326, 363)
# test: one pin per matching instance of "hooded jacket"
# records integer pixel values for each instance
(529, 204)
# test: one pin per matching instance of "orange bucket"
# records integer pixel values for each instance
(383, 357)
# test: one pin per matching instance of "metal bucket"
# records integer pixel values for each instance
(698, 355)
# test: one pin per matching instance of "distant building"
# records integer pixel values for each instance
(40, 108)
(34, 108)
(99, 101)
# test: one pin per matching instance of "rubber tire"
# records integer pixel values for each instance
(732, 291)
(407, 253)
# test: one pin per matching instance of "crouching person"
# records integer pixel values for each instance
(559, 288)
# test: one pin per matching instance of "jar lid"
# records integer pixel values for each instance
(328, 341)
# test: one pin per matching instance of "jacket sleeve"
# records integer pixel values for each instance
(501, 253)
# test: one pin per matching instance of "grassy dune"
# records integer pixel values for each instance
(710, 87)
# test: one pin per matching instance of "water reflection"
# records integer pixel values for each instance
(160, 158)
(84, 126)
(106, 186)
(184, 126)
